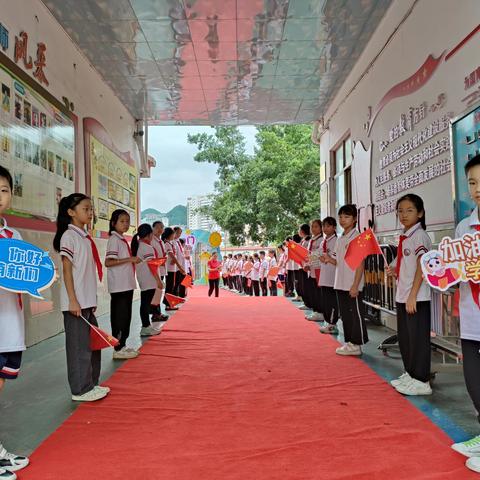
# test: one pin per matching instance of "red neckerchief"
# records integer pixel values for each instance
(9, 234)
(475, 287)
(160, 242)
(400, 250)
(124, 240)
(179, 243)
(147, 242)
(96, 257)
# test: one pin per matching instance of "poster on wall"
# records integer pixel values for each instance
(465, 145)
(37, 146)
(114, 185)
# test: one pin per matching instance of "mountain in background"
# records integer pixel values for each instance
(176, 216)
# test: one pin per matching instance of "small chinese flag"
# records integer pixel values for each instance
(280, 285)
(361, 247)
(297, 253)
(154, 264)
(100, 339)
(187, 281)
(273, 272)
(173, 300)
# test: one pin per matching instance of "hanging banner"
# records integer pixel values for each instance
(25, 268)
(456, 260)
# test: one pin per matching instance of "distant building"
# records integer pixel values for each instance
(196, 219)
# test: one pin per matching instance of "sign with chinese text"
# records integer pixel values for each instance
(21, 54)
(456, 260)
(25, 268)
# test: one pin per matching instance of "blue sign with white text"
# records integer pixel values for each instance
(25, 268)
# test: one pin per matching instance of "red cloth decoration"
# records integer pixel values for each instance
(173, 300)
(360, 247)
(297, 253)
(96, 257)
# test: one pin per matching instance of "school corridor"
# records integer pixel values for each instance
(234, 388)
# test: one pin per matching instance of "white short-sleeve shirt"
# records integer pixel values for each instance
(146, 280)
(469, 311)
(263, 268)
(272, 262)
(159, 246)
(256, 270)
(327, 278)
(314, 246)
(120, 278)
(76, 246)
(12, 322)
(413, 247)
(180, 253)
(170, 247)
(344, 275)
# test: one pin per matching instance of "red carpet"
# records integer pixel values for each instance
(241, 388)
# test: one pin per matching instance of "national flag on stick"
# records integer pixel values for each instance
(297, 253)
(280, 285)
(100, 339)
(187, 281)
(273, 272)
(155, 263)
(173, 300)
(361, 247)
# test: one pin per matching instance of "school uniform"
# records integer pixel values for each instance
(83, 364)
(239, 276)
(290, 277)
(230, 273)
(225, 273)
(159, 246)
(256, 278)
(172, 270)
(248, 277)
(327, 281)
(306, 285)
(121, 284)
(413, 330)
(272, 279)
(263, 276)
(146, 281)
(179, 288)
(351, 309)
(314, 274)
(12, 323)
(469, 320)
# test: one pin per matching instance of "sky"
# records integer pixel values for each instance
(177, 176)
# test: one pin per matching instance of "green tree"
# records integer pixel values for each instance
(265, 196)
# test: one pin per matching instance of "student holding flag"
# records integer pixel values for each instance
(272, 272)
(121, 282)
(173, 265)
(256, 275)
(159, 246)
(81, 265)
(148, 279)
(263, 273)
(303, 284)
(313, 267)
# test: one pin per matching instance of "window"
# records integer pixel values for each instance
(342, 166)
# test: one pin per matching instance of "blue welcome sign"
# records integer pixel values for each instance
(25, 268)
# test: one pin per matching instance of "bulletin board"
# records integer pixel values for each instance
(38, 148)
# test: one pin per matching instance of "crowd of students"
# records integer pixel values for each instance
(324, 283)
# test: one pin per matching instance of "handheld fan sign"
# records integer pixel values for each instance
(25, 268)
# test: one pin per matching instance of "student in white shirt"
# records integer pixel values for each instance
(412, 298)
(256, 275)
(159, 246)
(147, 281)
(121, 282)
(263, 274)
(282, 265)
(80, 264)
(272, 277)
(313, 268)
(12, 329)
(248, 267)
(179, 289)
(289, 272)
(304, 284)
(174, 267)
(327, 277)
(470, 318)
(229, 268)
(349, 286)
(240, 273)
(297, 272)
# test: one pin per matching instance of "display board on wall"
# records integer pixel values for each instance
(38, 148)
(465, 145)
(114, 182)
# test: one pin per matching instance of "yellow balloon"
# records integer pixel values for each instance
(215, 239)
(188, 231)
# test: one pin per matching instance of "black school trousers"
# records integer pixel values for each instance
(272, 286)
(169, 286)
(352, 311)
(299, 282)
(213, 285)
(309, 285)
(264, 287)
(413, 332)
(471, 367)
(329, 305)
(290, 283)
(121, 316)
(256, 287)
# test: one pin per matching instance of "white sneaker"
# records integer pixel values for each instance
(403, 378)
(349, 349)
(148, 331)
(303, 307)
(124, 354)
(414, 387)
(102, 389)
(469, 448)
(315, 317)
(473, 464)
(92, 396)
(6, 475)
(10, 462)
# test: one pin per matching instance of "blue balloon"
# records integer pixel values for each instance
(25, 268)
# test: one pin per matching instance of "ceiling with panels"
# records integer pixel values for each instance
(222, 62)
